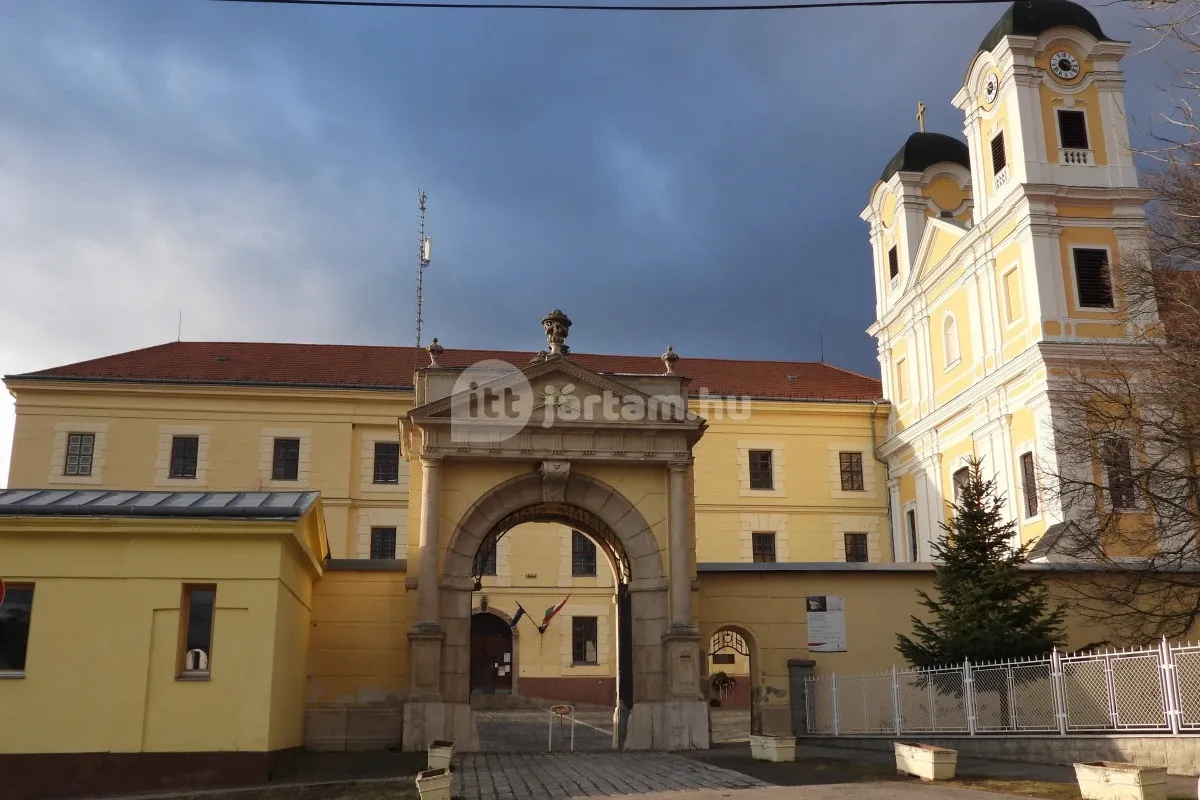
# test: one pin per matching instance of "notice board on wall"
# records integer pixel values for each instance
(826, 623)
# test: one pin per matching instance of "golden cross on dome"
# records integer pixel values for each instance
(921, 115)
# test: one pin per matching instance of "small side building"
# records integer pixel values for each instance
(159, 641)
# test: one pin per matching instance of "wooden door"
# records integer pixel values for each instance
(491, 655)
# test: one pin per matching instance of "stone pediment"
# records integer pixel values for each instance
(556, 408)
(937, 240)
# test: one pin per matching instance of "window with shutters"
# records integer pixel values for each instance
(1118, 464)
(893, 263)
(856, 547)
(584, 640)
(80, 449)
(383, 543)
(852, 472)
(583, 556)
(195, 652)
(1072, 129)
(960, 479)
(387, 462)
(762, 471)
(184, 456)
(286, 463)
(1029, 485)
(763, 546)
(999, 159)
(1092, 280)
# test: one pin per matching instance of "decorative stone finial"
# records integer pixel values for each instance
(557, 325)
(435, 350)
(669, 358)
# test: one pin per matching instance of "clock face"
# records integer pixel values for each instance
(1064, 65)
(990, 87)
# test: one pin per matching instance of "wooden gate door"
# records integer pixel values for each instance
(491, 655)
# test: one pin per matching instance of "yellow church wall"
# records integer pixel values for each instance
(949, 380)
(945, 193)
(126, 578)
(997, 124)
(887, 211)
(1087, 101)
(1091, 237)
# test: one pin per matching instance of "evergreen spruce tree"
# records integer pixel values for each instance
(985, 608)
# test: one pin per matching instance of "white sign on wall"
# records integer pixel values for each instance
(826, 624)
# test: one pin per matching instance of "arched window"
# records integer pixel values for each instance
(950, 339)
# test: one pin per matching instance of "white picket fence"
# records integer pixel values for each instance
(1153, 689)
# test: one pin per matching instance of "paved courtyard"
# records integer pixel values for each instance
(539, 731)
(550, 776)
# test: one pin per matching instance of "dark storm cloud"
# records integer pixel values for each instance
(686, 179)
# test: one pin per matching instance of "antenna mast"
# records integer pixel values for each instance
(423, 253)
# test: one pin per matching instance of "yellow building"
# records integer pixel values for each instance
(993, 266)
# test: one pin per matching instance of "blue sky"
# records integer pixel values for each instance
(683, 179)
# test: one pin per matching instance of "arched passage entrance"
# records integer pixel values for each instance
(734, 681)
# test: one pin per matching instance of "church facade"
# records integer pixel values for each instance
(390, 536)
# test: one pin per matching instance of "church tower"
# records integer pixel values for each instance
(993, 263)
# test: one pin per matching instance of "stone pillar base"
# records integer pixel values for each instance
(668, 725)
(425, 721)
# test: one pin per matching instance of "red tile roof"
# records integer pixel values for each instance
(360, 366)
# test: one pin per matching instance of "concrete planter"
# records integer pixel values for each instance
(773, 748)
(441, 753)
(925, 761)
(434, 784)
(1112, 780)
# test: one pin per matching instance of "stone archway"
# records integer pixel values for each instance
(754, 667)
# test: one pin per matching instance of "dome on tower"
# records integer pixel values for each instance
(923, 150)
(1031, 17)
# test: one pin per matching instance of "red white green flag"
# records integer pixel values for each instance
(550, 612)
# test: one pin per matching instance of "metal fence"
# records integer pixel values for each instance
(1153, 689)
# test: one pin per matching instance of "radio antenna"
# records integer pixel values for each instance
(423, 254)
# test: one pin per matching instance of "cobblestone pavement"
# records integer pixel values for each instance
(562, 776)
(535, 731)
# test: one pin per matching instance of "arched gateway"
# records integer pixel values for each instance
(610, 455)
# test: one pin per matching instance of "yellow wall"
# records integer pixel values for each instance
(105, 629)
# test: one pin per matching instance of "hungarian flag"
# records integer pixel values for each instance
(550, 612)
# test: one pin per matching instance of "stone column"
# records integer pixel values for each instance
(427, 585)
(681, 547)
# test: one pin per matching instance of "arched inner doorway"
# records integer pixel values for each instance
(734, 680)
(561, 573)
(493, 655)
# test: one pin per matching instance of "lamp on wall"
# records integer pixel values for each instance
(483, 603)
(478, 584)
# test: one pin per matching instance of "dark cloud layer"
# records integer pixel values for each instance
(692, 180)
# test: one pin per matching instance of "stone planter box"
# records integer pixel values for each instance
(441, 753)
(1113, 780)
(773, 748)
(434, 784)
(925, 761)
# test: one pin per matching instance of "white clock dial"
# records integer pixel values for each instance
(990, 87)
(1064, 65)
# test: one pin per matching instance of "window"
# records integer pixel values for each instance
(583, 556)
(387, 462)
(15, 613)
(485, 559)
(950, 340)
(1072, 129)
(959, 479)
(723, 658)
(901, 388)
(763, 547)
(856, 547)
(80, 448)
(761, 471)
(911, 518)
(893, 263)
(184, 453)
(1029, 485)
(286, 465)
(852, 472)
(943, 214)
(1118, 463)
(198, 605)
(1012, 295)
(999, 161)
(583, 640)
(1091, 278)
(383, 543)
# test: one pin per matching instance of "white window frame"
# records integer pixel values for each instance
(1076, 306)
(1012, 323)
(1058, 136)
(58, 457)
